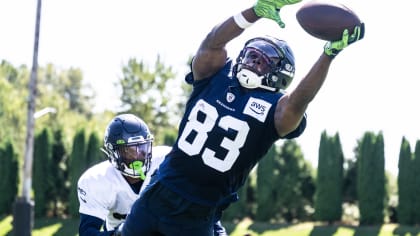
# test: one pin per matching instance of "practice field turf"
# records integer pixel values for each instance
(50, 227)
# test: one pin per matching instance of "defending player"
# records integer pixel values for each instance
(108, 189)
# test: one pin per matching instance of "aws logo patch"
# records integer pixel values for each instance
(257, 108)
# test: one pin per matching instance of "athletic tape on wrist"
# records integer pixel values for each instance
(241, 21)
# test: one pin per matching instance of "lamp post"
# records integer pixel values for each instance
(23, 208)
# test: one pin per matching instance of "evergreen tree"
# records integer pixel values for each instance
(3, 181)
(266, 193)
(43, 180)
(415, 191)
(94, 155)
(405, 184)
(293, 184)
(371, 179)
(60, 191)
(329, 183)
(77, 164)
(9, 176)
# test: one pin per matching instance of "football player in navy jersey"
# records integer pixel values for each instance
(108, 189)
(235, 113)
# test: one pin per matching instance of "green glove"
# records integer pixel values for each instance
(270, 9)
(331, 49)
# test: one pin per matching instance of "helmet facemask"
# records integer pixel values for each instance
(132, 160)
(266, 63)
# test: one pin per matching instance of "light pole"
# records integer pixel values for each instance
(23, 209)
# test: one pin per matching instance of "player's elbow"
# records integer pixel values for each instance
(287, 116)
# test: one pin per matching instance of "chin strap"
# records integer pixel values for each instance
(251, 80)
(106, 153)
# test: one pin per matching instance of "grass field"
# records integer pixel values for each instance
(50, 227)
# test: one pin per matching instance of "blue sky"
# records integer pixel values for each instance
(372, 85)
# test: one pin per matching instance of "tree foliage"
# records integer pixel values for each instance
(43, 182)
(150, 94)
(64, 89)
(350, 180)
(61, 89)
(266, 194)
(406, 182)
(416, 188)
(9, 176)
(329, 182)
(93, 153)
(292, 184)
(371, 179)
(60, 191)
(12, 103)
(77, 164)
(300, 198)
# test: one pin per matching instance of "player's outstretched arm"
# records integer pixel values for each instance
(211, 55)
(291, 107)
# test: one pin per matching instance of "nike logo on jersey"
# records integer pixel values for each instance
(257, 108)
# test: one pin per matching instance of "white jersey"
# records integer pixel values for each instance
(103, 191)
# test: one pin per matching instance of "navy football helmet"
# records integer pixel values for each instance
(265, 62)
(128, 145)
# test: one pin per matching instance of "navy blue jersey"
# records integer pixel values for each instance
(223, 134)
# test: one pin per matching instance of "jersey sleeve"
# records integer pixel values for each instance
(94, 197)
(298, 131)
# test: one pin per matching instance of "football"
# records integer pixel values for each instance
(327, 19)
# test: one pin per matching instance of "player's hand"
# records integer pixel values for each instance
(270, 9)
(331, 49)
